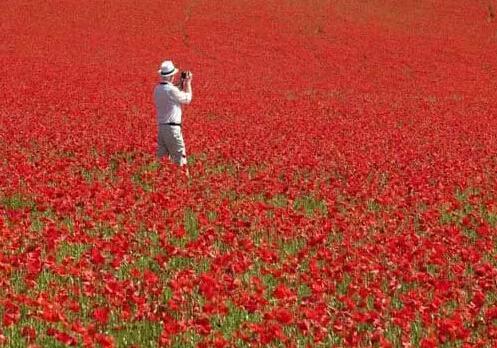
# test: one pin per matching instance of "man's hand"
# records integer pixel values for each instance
(188, 83)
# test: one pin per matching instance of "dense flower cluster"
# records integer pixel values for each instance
(343, 160)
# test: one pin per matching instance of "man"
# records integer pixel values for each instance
(168, 100)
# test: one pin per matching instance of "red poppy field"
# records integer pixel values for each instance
(343, 175)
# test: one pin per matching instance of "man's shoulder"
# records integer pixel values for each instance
(168, 87)
(165, 87)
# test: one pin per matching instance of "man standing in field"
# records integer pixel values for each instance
(168, 100)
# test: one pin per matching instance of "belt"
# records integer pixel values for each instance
(172, 124)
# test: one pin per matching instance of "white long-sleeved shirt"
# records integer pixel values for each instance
(168, 99)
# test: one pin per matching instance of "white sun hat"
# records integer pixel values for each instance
(167, 68)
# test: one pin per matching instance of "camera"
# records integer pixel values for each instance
(183, 74)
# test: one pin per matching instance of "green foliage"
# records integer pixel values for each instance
(17, 281)
(179, 262)
(74, 251)
(17, 201)
(141, 333)
(195, 158)
(144, 262)
(343, 286)
(290, 247)
(224, 168)
(189, 339)
(211, 216)
(231, 195)
(397, 303)
(310, 205)
(373, 206)
(231, 322)
(417, 332)
(279, 200)
(303, 291)
(393, 334)
(191, 224)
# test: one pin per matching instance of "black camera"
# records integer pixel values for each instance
(184, 74)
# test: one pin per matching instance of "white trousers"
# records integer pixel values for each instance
(170, 143)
